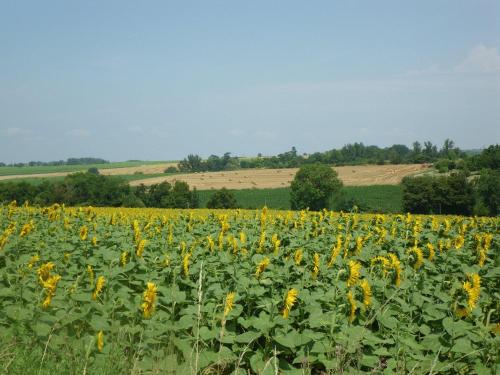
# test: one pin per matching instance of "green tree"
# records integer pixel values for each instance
(222, 198)
(487, 188)
(179, 197)
(93, 170)
(488, 159)
(438, 195)
(419, 195)
(313, 187)
(193, 163)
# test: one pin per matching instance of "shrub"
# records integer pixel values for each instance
(222, 198)
(171, 170)
(438, 195)
(487, 189)
(93, 170)
(313, 187)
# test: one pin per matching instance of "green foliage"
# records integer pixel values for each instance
(164, 195)
(171, 169)
(488, 189)
(456, 194)
(313, 187)
(194, 163)
(99, 190)
(254, 198)
(452, 194)
(93, 170)
(413, 327)
(444, 165)
(374, 198)
(222, 198)
(489, 158)
(351, 154)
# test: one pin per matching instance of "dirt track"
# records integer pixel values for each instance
(276, 178)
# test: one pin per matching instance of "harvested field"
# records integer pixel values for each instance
(37, 175)
(145, 169)
(276, 178)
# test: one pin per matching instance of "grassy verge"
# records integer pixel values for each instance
(81, 357)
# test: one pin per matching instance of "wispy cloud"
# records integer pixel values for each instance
(79, 133)
(135, 129)
(17, 132)
(264, 135)
(481, 59)
(236, 132)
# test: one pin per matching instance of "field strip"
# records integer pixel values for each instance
(145, 169)
(276, 178)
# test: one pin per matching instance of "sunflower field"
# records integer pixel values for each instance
(145, 291)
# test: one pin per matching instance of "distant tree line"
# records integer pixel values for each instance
(350, 154)
(194, 163)
(460, 192)
(70, 161)
(474, 189)
(82, 189)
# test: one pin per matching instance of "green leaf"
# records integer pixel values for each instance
(481, 369)
(99, 323)
(432, 342)
(370, 361)
(263, 323)
(185, 322)
(207, 334)
(178, 296)
(6, 292)
(382, 352)
(322, 346)
(455, 328)
(462, 346)
(247, 337)
(292, 339)
(18, 313)
(82, 297)
(425, 329)
(411, 343)
(184, 346)
(388, 321)
(42, 329)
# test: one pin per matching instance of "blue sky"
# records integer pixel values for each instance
(156, 80)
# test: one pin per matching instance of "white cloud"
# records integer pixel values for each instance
(79, 133)
(161, 133)
(236, 132)
(17, 132)
(434, 69)
(480, 60)
(265, 135)
(135, 129)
